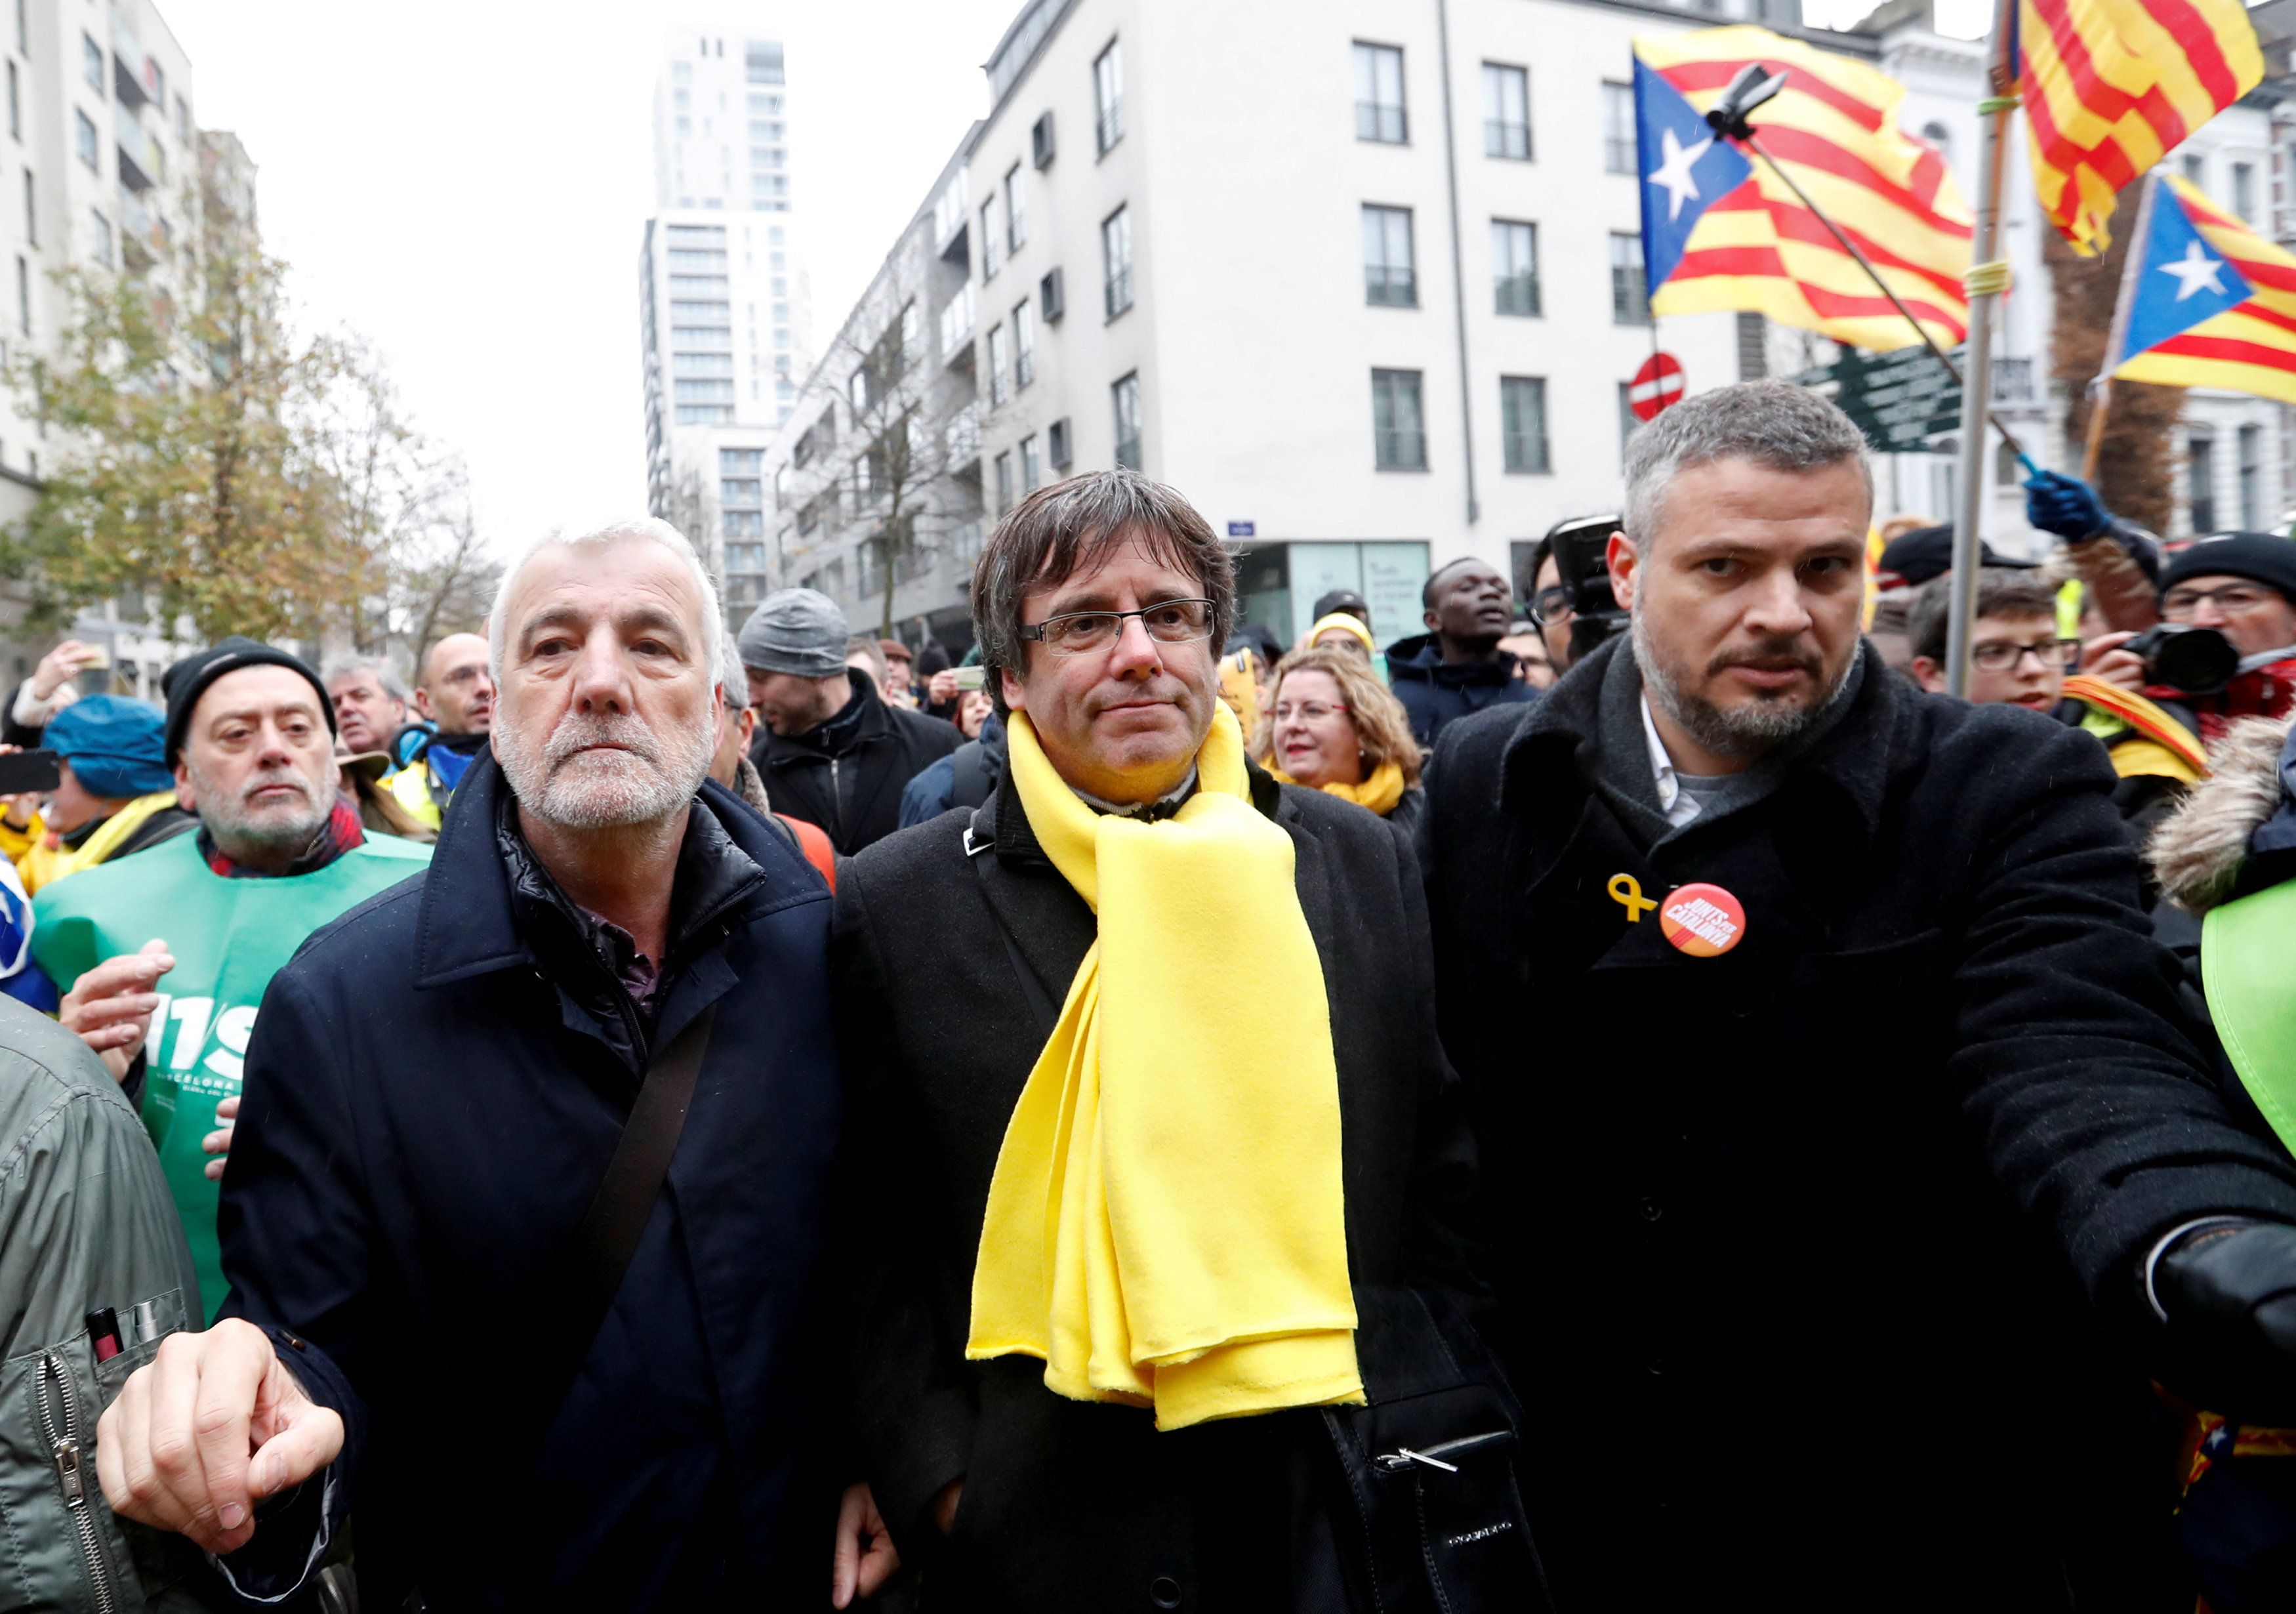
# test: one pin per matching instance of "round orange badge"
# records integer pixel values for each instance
(1704, 920)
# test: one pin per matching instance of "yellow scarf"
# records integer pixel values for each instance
(1165, 1226)
(1380, 793)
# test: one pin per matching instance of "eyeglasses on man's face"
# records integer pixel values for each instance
(1078, 633)
(2233, 599)
(2000, 655)
(1550, 607)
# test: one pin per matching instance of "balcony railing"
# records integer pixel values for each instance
(957, 324)
(141, 166)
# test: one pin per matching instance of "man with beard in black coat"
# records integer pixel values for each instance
(1864, 1148)
(1217, 989)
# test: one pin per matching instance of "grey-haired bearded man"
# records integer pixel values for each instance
(1858, 1108)
(546, 1394)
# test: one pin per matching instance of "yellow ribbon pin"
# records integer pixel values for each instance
(1628, 892)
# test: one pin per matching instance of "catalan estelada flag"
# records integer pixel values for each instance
(1721, 231)
(2211, 303)
(2112, 86)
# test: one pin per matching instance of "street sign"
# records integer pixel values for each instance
(1245, 529)
(1657, 384)
(1900, 400)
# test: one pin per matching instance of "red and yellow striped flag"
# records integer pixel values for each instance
(1835, 127)
(2249, 347)
(2112, 86)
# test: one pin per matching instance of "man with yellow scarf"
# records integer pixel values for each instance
(1163, 1164)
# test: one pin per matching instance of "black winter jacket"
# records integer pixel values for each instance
(1436, 692)
(1792, 1243)
(1067, 1505)
(433, 1089)
(850, 788)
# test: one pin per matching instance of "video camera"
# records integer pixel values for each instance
(1578, 546)
(2196, 660)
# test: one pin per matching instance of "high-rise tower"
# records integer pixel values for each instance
(723, 301)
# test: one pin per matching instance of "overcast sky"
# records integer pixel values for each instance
(465, 183)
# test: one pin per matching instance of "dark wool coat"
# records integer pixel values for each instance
(1070, 1505)
(1792, 1243)
(852, 790)
(434, 1087)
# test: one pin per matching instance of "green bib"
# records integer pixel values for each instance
(229, 937)
(2245, 946)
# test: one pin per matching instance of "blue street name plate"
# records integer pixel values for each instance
(1241, 529)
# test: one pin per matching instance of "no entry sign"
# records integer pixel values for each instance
(1657, 384)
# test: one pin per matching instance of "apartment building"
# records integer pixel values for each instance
(1364, 281)
(100, 168)
(722, 296)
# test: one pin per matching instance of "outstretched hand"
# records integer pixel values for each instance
(213, 1425)
(109, 1008)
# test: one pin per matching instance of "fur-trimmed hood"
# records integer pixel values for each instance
(2197, 852)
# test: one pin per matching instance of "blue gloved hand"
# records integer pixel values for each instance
(2065, 505)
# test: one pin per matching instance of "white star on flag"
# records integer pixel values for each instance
(2196, 269)
(1673, 174)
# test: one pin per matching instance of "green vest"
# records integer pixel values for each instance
(2245, 946)
(229, 937)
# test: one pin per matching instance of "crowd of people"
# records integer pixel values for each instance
(1627, 1097)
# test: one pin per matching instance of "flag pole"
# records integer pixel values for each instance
(1896, 302)
(2100, 389)
(1984, 281)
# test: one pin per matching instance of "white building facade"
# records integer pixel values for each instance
(722, 297)
(1362, 280)
(102, 160)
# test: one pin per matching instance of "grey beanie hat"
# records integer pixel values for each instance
(798, 631)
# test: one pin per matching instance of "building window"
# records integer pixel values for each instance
(1753, 348)
(1000, 367)
(2200, 482)
(83, 140)
(23, 30)
(1379, 95)
(1016, 217)
(1032, 463)
(91, 61)
(31, 210)
(2196, 169)
(101, 234)
(1507, 111)
(1619, 129)
(1388, 280)
(741, 462)
(2251, 478)
(1398, 435)
(1115, 253)
(1630, 302)
(1003, 482)
(992, 241)
(2244, 191)
(1126, 397)
(1024, 343)
(23, 296)
(1515, 266)
(1522, 423)
(1108, 96)
(15, 104)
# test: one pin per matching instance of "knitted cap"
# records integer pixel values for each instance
(797, 631)
(2257, 556)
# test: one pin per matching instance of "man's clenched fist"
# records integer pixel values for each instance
(212, 1426)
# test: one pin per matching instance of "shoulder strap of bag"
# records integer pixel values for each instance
(969, 780)
(1041, 1002)
(624, 1203)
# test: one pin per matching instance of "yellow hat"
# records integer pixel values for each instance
(1341, 619)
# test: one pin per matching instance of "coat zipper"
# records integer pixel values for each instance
(836, 799)
(72, 1474)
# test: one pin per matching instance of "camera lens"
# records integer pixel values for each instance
(2196, 660)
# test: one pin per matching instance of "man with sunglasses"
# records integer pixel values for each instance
(1163, 1161)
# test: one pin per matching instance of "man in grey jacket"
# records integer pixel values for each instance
(93, 1272)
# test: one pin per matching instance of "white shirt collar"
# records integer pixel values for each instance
(1135, 809)
(1679, 806)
